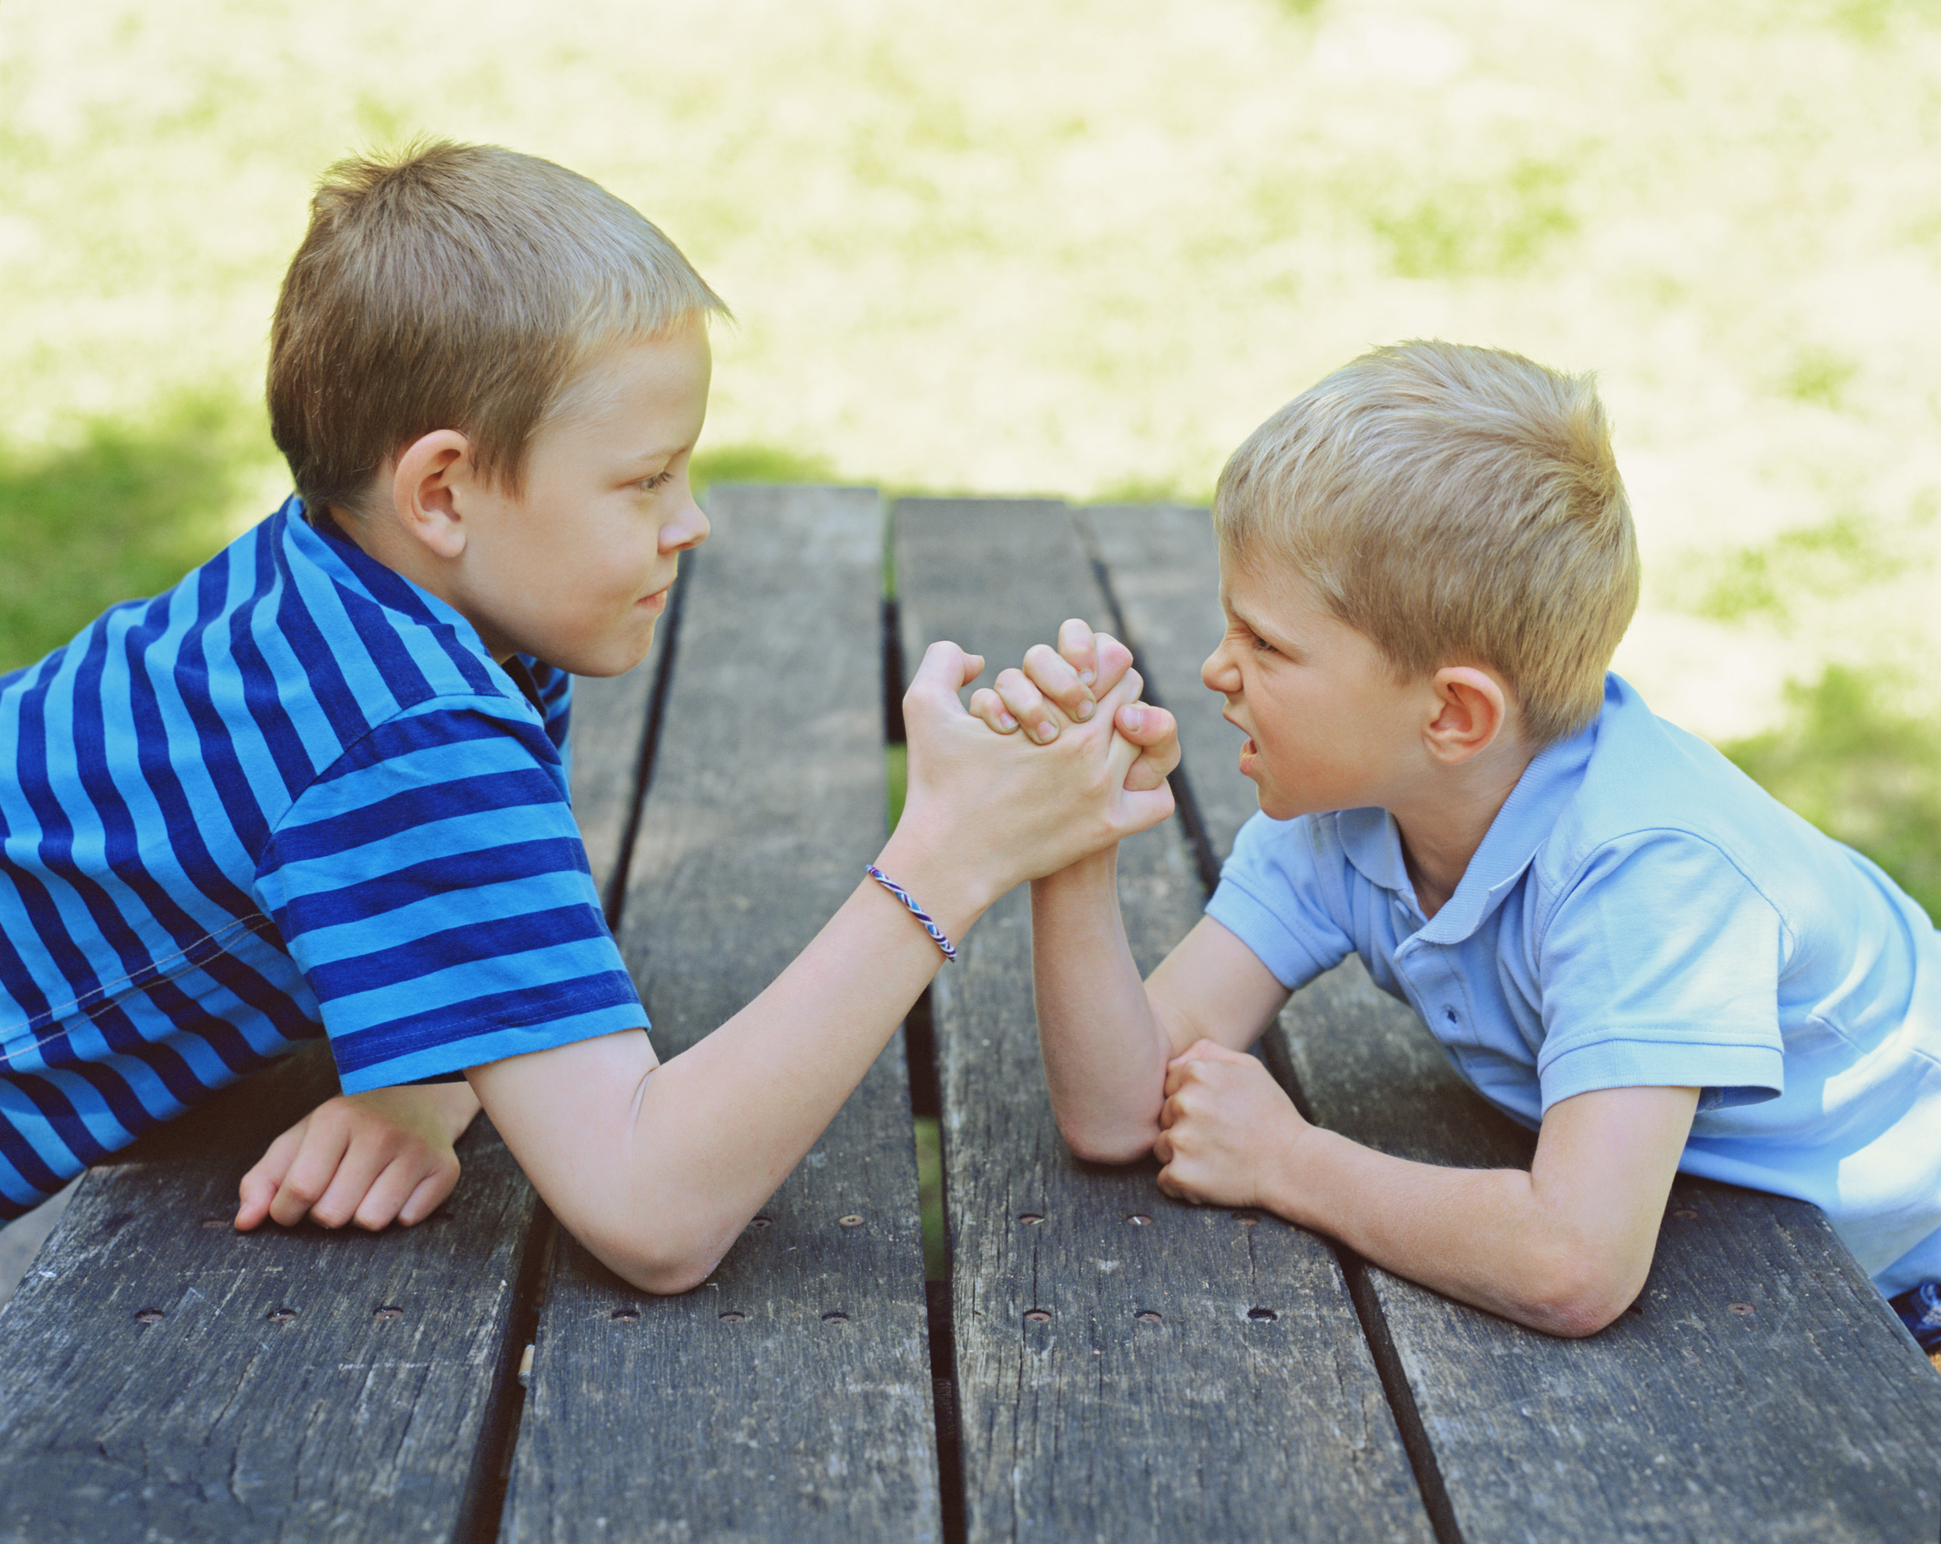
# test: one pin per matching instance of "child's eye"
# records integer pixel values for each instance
(658, 480)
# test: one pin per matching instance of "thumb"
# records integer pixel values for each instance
(1144, 724)
(1146, 807)
(944, 672)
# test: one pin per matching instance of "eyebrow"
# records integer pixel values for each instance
(1287, 643)
(641, 460)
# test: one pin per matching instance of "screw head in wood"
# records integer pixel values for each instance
(760, 1222)
(1262, 1314)
(388, 1311)
(1031, 1219)
(625, 1315)
(835, 1318)
(850, 1221)
(280, 1315)
(1742, 1309)
(733, 1316)
(147, 1315)
(1037, 1316)
(1140, 1220)
(1685, 1214)
(1147, 1316)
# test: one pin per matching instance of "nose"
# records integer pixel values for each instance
(1219, 674)
(689, 528)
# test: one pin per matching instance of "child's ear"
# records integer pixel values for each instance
(1472, 711)
(427, 487)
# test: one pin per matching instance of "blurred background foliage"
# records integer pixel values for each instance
(1082, 248)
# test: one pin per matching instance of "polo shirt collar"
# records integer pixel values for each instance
(1373, 842)
(324, 543)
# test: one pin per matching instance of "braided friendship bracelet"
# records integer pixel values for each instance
(903, 895)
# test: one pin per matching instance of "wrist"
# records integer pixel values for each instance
(454, 1105)
(1297, 1181)
(948, 889)
(1098, 871)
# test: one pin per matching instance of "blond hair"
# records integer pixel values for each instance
(1455, 505)
(455, 287)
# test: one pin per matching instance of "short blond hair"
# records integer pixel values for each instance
(1455, 505)
(455, 287)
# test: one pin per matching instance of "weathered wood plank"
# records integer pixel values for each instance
(610, 722)
(790, 1396)
(164, 1377)
(1157, 1398)
(1759, 1390)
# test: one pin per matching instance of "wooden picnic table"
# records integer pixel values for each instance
(1100, 1363)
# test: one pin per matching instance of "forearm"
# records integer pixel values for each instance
(1105, 1050)
(687, 1151)
(1495, 1238)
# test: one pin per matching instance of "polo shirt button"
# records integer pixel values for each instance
(1450, 1014)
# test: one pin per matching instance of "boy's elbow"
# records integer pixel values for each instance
(654, 1262)
(662, 1275)
(1104, 1142)
(1576, 1297)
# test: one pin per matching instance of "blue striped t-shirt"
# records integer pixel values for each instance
(292, 796)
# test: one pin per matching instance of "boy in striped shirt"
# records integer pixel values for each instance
(319, 786)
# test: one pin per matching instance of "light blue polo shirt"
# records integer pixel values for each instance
(1642, 914)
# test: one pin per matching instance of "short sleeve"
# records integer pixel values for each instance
(1660, 968)
(1273, 896)
(434, 891)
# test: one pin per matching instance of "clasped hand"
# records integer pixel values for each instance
(1057, 687)
(1228, 1131)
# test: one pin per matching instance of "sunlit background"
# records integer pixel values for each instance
(1083, 248)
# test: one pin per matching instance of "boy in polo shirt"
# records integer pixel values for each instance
(1617, 938)
(319, 787)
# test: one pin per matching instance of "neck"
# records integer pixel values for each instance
(1442, 830)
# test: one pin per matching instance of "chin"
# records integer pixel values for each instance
(612, 658)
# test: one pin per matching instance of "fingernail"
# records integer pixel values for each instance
(1088, 676)
(1085, 710)
(1043, 733)
(1007, 721)
(1135, 720)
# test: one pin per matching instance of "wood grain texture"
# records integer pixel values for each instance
(1163, 567)
(748, 1408)
(610, 719)
(164, 1377)
(1760, 1389)
(1157, 1399)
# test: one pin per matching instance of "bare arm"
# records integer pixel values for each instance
(657, 1168)
(1563, 1248)
(1107, 1037)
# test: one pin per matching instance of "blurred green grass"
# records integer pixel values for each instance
(124, 513)
(1862, 769)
